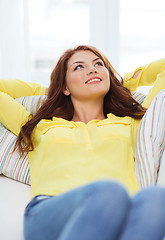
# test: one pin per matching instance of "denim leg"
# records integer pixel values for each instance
(93, 212)
(146, 219)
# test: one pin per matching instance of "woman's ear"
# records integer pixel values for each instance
(66, 91)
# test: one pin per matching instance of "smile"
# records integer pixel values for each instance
(93, 80)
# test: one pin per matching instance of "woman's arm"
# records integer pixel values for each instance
(12, 114)
(18, 88)
(158, 86)
(144, 75)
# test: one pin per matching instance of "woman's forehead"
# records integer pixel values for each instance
(82, 55)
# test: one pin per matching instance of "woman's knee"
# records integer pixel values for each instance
(154, 193)
(152, 200)
(109, 191)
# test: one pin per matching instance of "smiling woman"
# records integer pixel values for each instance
(81, 155)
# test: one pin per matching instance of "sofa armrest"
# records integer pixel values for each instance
(13, 200)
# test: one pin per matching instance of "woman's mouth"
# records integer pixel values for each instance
(93, 80)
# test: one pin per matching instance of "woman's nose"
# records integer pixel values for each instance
(92, 70)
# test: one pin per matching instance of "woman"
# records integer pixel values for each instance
(81, 155)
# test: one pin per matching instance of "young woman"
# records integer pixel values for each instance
(81, 155)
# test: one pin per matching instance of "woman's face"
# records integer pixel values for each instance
(87, 77)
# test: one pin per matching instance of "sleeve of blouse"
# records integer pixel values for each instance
(12, 114)
(158, 86)
(18, 88)
(145, 75)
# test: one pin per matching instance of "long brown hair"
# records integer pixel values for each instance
(118, 100)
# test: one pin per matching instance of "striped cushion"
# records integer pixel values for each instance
(11, 165)
(150, 143)
(139, 97)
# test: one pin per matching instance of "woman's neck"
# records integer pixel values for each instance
(87, 111)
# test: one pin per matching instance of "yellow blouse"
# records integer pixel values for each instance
(69, 154)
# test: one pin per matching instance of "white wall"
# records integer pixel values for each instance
(104, 28)
(14, 36)
(115, 28)
(14, 52)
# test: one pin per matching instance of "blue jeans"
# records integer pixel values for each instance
(101, 210)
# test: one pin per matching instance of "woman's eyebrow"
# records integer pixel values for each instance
(83, 62)
(77, 62)
(96, 59)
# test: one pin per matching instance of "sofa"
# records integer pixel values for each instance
(15, 178)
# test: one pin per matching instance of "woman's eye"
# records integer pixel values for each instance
(99, 63)
(78, 67)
